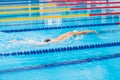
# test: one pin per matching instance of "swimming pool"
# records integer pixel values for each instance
(86, 57)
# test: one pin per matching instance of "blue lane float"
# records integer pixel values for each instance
(62, 49)
(58, 64)
(109, 31)
(60, 27)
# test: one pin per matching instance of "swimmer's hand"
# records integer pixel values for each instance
(95, 32)
(13, 41)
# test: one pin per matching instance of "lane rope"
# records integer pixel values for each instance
(13, 2)
(7, 25)
(59, 4)
(60, 1)
(56, 10)
(48, 5)
(88, 3)
(62, 49)
(58, 16)
(33, 6)
(44, 17)
(36, 11)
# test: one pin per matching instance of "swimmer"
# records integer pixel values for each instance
(69, 34)
(60, 38)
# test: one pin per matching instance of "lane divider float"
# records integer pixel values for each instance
(56, 10)
(44, 17)
(13, 2)
(52, 5)
(60, 1)
(88, 3)
(7, 25)
(62, 49)
(58, 4)
(36, 11)
(58, 16)
(33, 6)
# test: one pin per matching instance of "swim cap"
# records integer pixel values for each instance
(47, 40)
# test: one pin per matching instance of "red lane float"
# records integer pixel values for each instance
(89, 3)
(103, 3)
(112, 13)
(118, 23)
(103, 7)
(74, 0)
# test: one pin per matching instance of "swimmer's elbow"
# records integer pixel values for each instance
(55, 41)
(84, 32)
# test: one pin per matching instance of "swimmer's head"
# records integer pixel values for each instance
(47, 40)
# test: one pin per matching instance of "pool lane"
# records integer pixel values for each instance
(104, 70)
(61, 27)
(104, 55)
(58, 10)
(58, 2)
(59, 16)
(23, 63)
(43, 22)
(103, 37)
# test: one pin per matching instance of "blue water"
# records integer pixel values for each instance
(108, 69)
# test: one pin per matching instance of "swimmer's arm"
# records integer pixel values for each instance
(94, 31)
(13, 41)
(87, 32)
